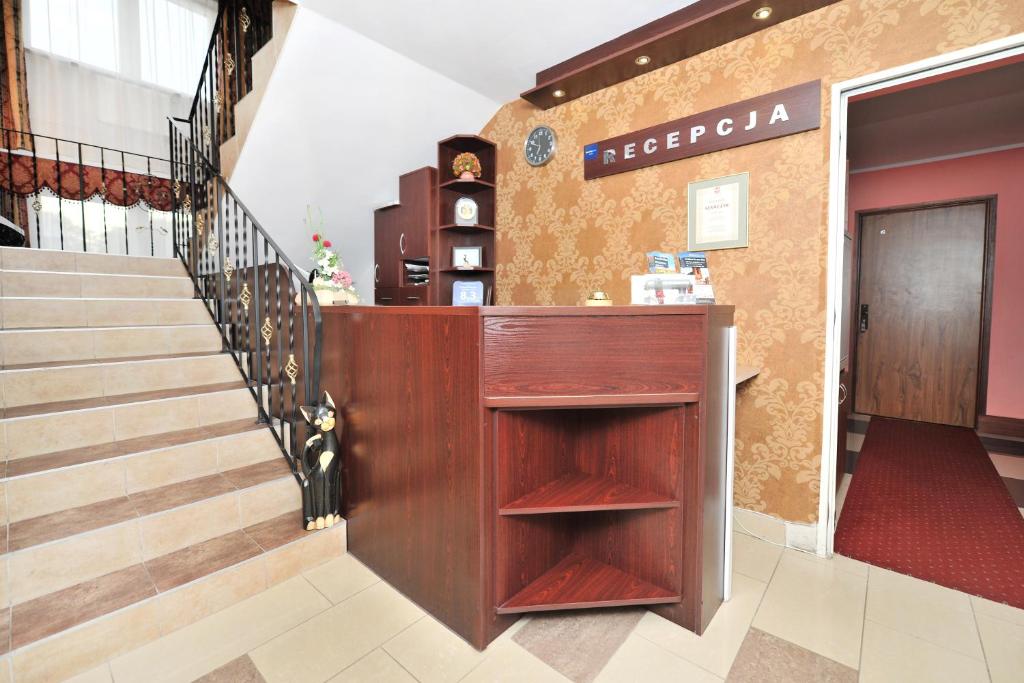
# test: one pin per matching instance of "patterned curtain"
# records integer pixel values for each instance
(13, 103)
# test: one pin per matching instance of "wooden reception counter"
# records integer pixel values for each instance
(506, 460)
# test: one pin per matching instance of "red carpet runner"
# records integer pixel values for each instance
(927, 501)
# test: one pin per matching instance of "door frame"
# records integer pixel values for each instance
(987, 278)
(1010, 48)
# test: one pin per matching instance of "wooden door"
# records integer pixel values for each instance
(921, 275)
(387, 260)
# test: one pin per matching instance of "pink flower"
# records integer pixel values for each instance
(342, 278)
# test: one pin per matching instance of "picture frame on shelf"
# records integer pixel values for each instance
(467, 212)
(467, 293)
(467, 258)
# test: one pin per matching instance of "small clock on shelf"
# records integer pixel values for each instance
(466, 212)
(540, 146)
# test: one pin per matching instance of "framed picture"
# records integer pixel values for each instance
(467, 258)
(467, 293)
(717, 213)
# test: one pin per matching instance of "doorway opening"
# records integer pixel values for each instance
(925, 231)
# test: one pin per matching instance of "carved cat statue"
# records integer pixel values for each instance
(321, 467)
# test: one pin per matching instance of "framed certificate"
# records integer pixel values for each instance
(717, 213)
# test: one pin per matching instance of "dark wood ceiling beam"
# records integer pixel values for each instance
(697, 28)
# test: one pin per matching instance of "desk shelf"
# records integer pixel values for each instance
(579, 582)
(579, 492)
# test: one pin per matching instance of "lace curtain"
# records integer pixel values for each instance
(110, 72)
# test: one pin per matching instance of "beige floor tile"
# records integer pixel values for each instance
(1011, 466)
(764, 657)
(376, 667)
(998, 610)
(844, 488)
(183, 526)
(638, 659)
(1004, 648)
(217, 639)
(352, 628)
(101, 674)
(35, 435)
(433, 653)
(341, 578)
(716, 649)
(192, 602)
(506, 662)
(154, 417)
(753, 557)
(246, 449)
(46, 492)
(31, 387)
(892, 656)
(925, 610)
(817, 605)
(170, 466)
(269, 500)
(5, 670)
(305, 554)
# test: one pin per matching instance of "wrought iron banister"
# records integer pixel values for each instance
(34, 167)
(242, 27)
(267, 312)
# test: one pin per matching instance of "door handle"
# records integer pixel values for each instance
(376, 272)
(401, 243)
(842, 393)
(863, 317)
(412, 298)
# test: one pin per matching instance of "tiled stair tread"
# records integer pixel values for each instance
(5, 630)
(118, 399)
(116, 449)
(191, 563)
(57, 525)
(108, 361)
(76, 604)
(64, 609)
(277, 531)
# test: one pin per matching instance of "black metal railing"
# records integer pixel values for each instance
(241, 29)
(267, 312)
(66, 194)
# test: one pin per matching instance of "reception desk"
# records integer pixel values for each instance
(505, 460)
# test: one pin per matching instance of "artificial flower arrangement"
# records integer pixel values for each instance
(466, 166)
(331, 282)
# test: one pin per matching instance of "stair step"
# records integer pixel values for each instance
(69, 522)
(22, 258)
(224, 569)
(22, 389)
(45, 283)
(94, 426)
(129, 447)
(24, 348)
(21, 313)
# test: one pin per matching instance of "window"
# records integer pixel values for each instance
(82, 30)
(162, 42)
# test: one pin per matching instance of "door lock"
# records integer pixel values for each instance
(863, 317)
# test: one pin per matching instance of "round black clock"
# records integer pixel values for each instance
(540, 146)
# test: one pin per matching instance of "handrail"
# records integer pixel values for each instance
(239, 271)
(206, 62)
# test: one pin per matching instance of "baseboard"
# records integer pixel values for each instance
(1001, 426)
(774, 530)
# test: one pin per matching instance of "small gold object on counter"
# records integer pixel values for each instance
(599, 299)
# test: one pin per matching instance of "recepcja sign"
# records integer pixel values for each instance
(783, 112)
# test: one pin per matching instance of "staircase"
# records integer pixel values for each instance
(141, 492)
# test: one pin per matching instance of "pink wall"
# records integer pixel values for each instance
(995, 173)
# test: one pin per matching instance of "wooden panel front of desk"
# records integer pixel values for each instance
(509, 460)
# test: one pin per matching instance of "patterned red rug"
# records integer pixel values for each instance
(927, 501)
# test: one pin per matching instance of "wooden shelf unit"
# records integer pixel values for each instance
(580, 582)
(449, 191)
(522, 459)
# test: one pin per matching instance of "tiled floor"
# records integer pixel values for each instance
(793, 617)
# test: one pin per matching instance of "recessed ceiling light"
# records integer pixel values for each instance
(642, 60)
(762, 13)
(559, 93)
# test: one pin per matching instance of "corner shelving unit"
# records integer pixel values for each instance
(449, 234)
(587, 497)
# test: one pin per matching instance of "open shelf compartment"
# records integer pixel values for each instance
(579, 582)
(578, 492)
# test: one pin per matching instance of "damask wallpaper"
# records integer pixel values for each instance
(560, 237)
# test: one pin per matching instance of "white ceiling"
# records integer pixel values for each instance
(493, 46)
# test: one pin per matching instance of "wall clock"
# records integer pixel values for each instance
(466, 212)
(540, 146)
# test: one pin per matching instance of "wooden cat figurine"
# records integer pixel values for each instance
(321, 467)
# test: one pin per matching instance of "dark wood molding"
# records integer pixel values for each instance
(702, 26)
(1001, 426)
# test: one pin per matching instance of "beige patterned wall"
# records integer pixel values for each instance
(560, 237)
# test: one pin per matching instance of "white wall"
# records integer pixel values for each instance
(342, 118)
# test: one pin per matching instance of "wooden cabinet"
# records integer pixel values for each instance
(526, 459)
(402, 235)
